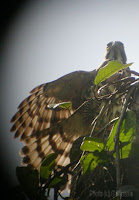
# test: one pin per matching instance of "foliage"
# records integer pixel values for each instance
(100, 152)
(47, 166)
(108, 70)
(126, 136)
(92, 144)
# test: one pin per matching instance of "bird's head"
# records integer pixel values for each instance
(115, 51)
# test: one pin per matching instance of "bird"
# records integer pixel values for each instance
(45, 130)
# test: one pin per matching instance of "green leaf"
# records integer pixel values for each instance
(64, 105)
(124, 150)
(107, 71)
(92, 160)
(92, 144)
(47, 166)
(29, 180)
(89, 162)
(126, 135)
(128, 127)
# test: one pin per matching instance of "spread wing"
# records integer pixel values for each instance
(60, 137)
(34, 116)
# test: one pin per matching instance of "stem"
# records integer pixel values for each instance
(95, 120)
(117, 161)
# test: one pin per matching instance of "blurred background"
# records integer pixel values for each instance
(43, 40)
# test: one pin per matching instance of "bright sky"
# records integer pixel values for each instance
(51, 38)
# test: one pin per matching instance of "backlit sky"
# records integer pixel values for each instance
(51, 38)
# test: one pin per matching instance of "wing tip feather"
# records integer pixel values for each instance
(24, 151)
(36, 89)
(13, 118)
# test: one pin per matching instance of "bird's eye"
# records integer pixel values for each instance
(107, 48)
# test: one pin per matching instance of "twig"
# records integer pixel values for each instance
(120, 81)
(134, 72)
(116, 138)
(95, 120)
(66, 198)
(109, 123)
(55, 193)
(127, 80)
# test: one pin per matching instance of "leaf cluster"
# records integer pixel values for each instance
(102, 153)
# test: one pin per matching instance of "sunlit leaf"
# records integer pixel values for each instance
(124, 150)
(126, 135)
(128, 127)
(92, 144)
(108, 70)
(89, 163)
(91, 160)
(47, 165)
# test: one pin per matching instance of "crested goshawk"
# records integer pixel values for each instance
(45, 130)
